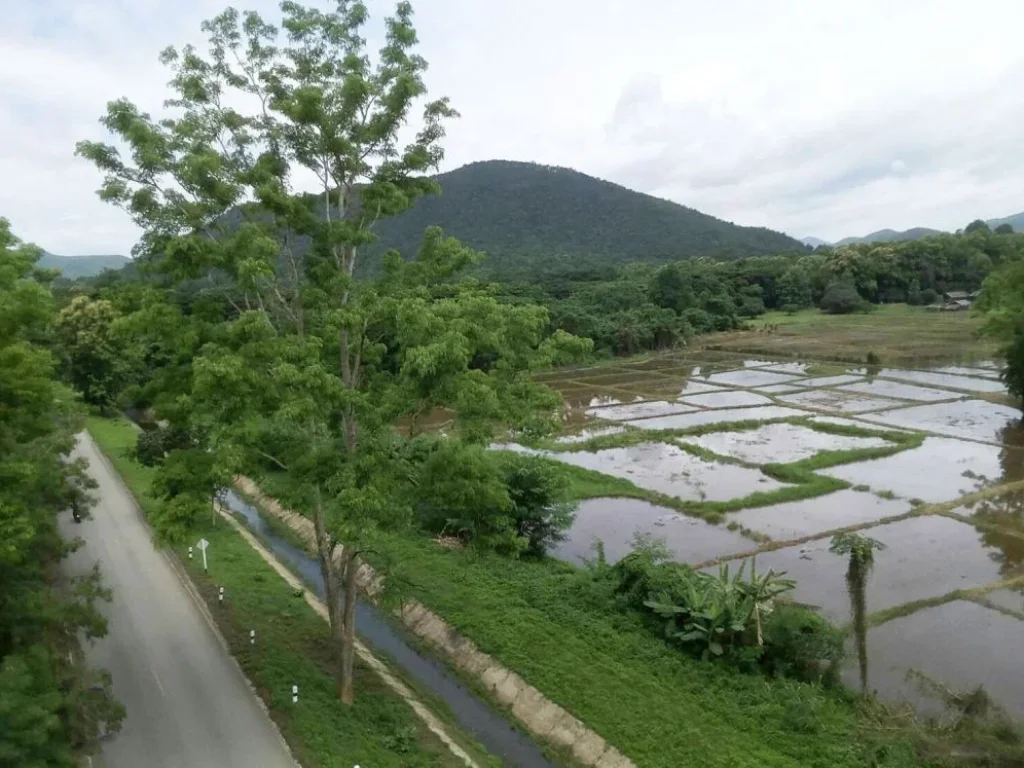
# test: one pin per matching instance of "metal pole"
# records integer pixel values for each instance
(204, 559)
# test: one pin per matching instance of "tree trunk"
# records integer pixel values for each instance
(348, 634)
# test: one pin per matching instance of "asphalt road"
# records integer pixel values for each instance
(188, 704)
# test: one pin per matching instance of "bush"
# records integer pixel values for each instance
(541, 511)
(841, 299)
(510, 503)
(801, 643)
(699, 320)
(751, 306)
(928, 296)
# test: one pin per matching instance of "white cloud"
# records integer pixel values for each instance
(825, 118)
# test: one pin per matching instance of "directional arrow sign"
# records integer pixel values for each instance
(203, 544)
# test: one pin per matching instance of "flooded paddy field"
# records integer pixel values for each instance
(945, 503)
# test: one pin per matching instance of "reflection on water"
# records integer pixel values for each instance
(944, 380)
(924, 557)
(940, 469)
(672, 471)
(645, 410)
(970, 419)
(780, 443)
(959, 644)
(811, 517)
(616, 521)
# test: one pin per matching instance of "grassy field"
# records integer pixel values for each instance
(292, 648)
(896, 333)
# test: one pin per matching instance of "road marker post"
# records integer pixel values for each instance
(190, 553)
(220, 595)
(252, 637)
(202, 544)
(295, 694)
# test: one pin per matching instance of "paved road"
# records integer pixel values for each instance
(188, 705)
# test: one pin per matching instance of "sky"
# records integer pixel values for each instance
(815, 118)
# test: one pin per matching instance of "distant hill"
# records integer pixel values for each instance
(73, 267)
(1016, 221)
(890, 236)
(524, 215)
(814, 242)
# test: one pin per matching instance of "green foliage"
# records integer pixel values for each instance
(841, 298)
(714, 613)
(506, 502)
(860, 548)
(1013, 374)
(95, 359)
(52, 706)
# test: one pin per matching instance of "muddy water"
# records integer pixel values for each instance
(833, 400)
(672, 471)
(749, 378)
(644, 410)
(971, 419)
(1008, 599)
(616, 522)
(941, 469)
(959, 644)
(738, 399)
(812, 517)
(588, 434)
(578, 397)
(829, 381)
(779, 443)
(925, 557)
(966, 383)
(961, 370)
(687, 420)
(885, 388)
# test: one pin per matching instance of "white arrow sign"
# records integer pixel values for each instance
(203, 544)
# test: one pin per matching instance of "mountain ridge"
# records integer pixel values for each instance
(74, 267)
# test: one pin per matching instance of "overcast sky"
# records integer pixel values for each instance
(815, 117)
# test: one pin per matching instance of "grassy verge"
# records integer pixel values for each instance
(292, 648)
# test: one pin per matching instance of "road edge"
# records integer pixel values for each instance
(190, 588)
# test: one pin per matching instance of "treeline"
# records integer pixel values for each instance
(641, 307)
(52, 705)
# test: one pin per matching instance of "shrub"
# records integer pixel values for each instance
(800, 643)
(929, 296)
(541, 511)
(513, 504)
(841, 299)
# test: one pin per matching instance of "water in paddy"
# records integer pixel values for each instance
(616, 522)
(973, 444)
(670, 470)
(959, 644)
(642, 410)
(969, 419)
(589, 434)
(779, 443)
(941, 469)
(925, 557)
(812, 517)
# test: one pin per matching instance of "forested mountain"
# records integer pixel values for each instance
(891, 236)
(1015, 220)
(522, 214)
(73, 267)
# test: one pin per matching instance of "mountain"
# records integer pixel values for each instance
(525, 215)
(814, 242)
(1016, 221)
(73, 267)
(891, 235)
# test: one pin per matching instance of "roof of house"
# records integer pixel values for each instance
(954, 295)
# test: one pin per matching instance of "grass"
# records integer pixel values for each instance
(896, 333)
(292, 648)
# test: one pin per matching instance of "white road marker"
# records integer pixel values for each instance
(203, 544)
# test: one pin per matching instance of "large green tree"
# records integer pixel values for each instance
(51, 703)
(311, 368)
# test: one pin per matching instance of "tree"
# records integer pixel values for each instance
(795, 288)
(1004, 229)
(50, 701)
(841, 298)
(95, 359)
(311, 367)
(976, 226)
